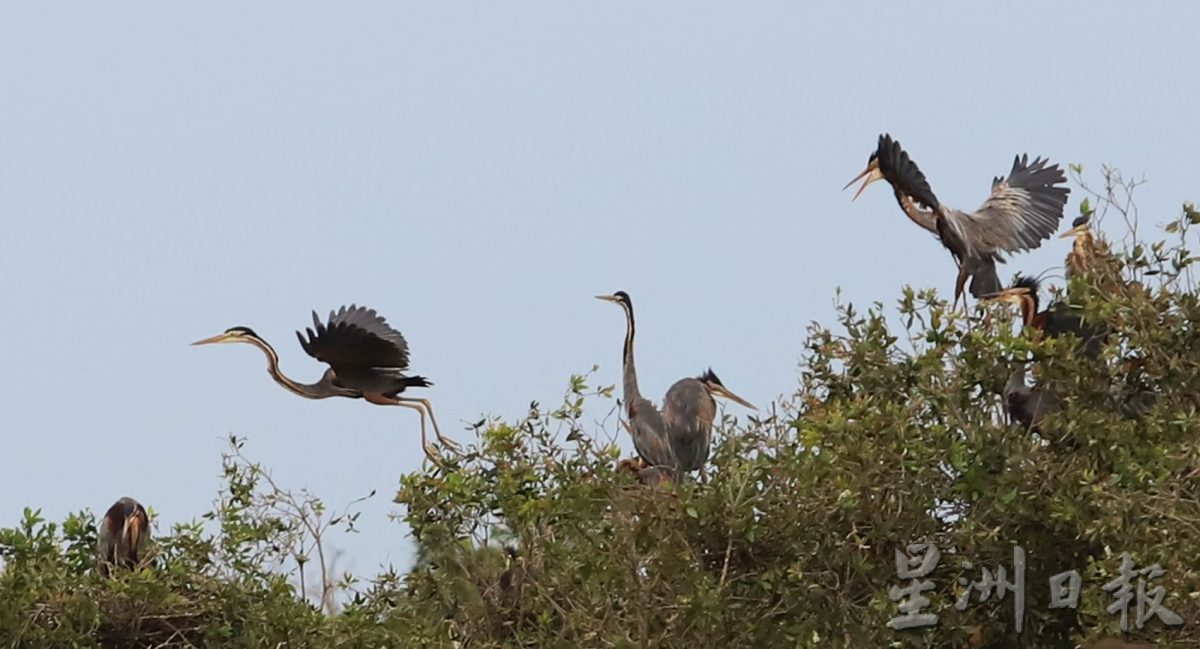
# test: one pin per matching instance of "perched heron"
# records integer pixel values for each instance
(1058, 319)
(1022, 211)
(1028, 406)
(367, 359)
(680, 437)
(1083, 248)
(124, 531)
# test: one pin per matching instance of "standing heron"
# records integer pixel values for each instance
(367, 359)
(1022, 211)
(124, 531)
(680, 437)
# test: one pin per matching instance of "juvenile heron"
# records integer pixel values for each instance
(367, 359)
(680, 437)
(1082, 249)
(1023, 210)
(124, 531)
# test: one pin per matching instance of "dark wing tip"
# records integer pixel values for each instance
(904, 174)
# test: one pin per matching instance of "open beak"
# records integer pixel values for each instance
(1008, 296)
(1075, 231)
(607, 298)
(723, 391)
(871, 173)
(219, 338)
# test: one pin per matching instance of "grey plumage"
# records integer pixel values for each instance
(678, 439)
(1023, 210)
(1028, 406)
(645, 422)
(688, 412)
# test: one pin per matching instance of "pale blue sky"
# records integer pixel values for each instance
(476, 172)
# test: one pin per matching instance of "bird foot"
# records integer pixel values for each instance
(450, 444)
(434, 456)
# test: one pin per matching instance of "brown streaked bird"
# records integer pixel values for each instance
(124, 531)
(367, 360)
(679, 438)
(1082, 249)
(1058, 319)
(1022, 211)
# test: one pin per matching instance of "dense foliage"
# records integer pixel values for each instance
(896, 434)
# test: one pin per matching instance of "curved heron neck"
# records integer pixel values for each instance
(1028, 310)
(924, 218)
(630, 372)
(306, 390)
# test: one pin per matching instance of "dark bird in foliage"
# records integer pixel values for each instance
(367, 360)
(1022, 211)
(1057, 320)
(124, 531)
(1025, 405)
(680, 437)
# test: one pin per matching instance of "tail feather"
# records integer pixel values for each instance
(416, 382)
(984, 280)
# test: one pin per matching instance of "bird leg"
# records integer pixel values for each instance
(431, 451)
(958, 286)
(428, 407)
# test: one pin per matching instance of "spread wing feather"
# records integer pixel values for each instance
(1022, 211)
(355, 338)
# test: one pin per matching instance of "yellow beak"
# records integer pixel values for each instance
(723, 391)
(1076, 231)
(219, 338)
(872, 174)
(1010, 296)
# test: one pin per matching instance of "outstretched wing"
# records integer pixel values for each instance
(355, 338)
(1022, 212)
(903, 173)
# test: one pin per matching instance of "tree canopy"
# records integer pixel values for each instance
(895, 434)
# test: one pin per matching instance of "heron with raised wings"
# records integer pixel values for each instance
(367, 360)
(1022, 211)
(679, 438)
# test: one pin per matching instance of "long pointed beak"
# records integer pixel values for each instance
(871, 173)
(1075, 231)
(219, 338)
(606, 298)
(723, 391)
(1008, 296)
